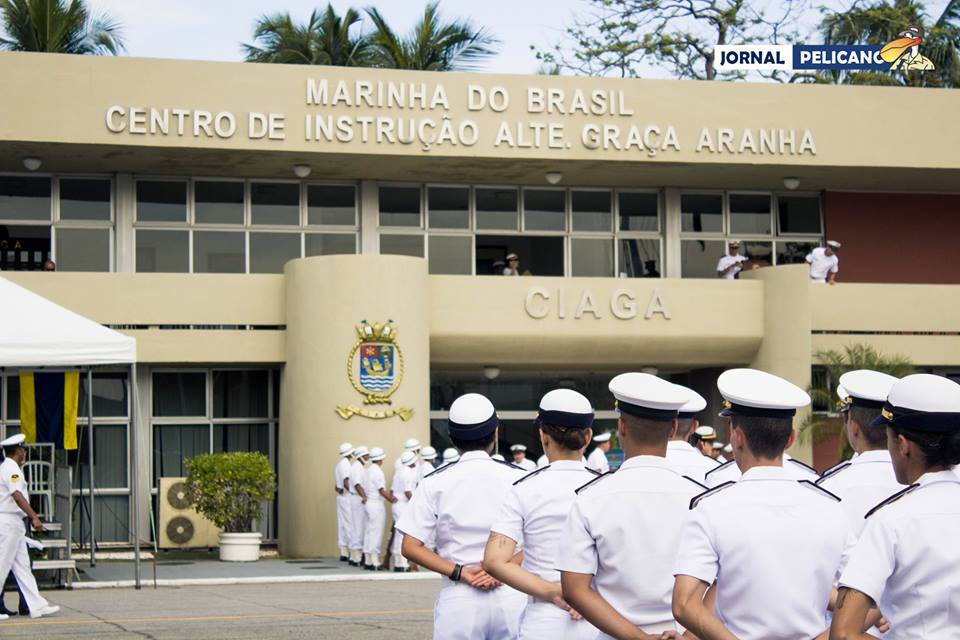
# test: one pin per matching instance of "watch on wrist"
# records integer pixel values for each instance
(457, 570)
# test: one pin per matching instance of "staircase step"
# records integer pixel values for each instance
(54, 564)
(52, 526)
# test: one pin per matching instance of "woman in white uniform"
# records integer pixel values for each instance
(535, 512)
(906, 559)
(404, 482)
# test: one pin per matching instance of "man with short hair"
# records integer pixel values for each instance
(702, 440)
(731, 264)
(597, 460)
(824, 263)
(520, 459)
(685, 458)
(513, 265)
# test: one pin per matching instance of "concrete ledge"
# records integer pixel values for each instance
(203, 582)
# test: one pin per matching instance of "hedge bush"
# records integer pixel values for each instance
(228, 488)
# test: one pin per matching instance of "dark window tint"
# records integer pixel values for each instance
(163, 251)
(84, 199)
(218, 202)
(83, 249)
(799, 214)
(449, 207)
(638, 212)
(325, 244)
(543, 210)
(240, 394)
(179, 394)
(591, 210)
(24, 198)
(332, 204)
(399, 206)
(701, 212)
(161, 201)
(270, 251)
(275, 203)
(496, 209)
(750, 213)
(218, 252)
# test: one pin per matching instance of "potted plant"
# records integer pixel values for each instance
(228, 489)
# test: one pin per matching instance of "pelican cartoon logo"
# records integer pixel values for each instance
(375, 368)
(904, 52)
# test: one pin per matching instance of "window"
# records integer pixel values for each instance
(218, 252)
(450, 255)
(24, 198)
(400, 207)
(799, 214)
(448, 207)
(794, 252)
(161, 201)
(591, 257)
(270, 251)
(24, 247)
(701, 213)
(240, 393)
(698, 258)
(639, 211)
(331, 205)
(402, 245)
(539, 255)
(496, 208)
(759, 252)
(83, 199)
(83, 249)
(179, 394)
(163, 251)
(750, 214)
(544, 210)
(218, 202)
(591, 210)
(325, 244)
(639, 258)
(274, 203)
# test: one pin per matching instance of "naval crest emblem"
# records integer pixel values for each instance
(375, 368)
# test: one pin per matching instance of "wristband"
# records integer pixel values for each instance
(457, 570)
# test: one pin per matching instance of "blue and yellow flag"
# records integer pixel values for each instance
(48, 408)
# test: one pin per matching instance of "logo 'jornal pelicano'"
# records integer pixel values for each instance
(375, 369)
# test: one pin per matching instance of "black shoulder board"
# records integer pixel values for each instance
(699, 484)
(893, 498)
(834, 467)
(717, 462)
(593, 471)
(803, 464)
(531, 474)
(436, 471)
(509, 464)
(723, 465)
(808, 483)
(696, 499)
(594, 481)
(832, 471)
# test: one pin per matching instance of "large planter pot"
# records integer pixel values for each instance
(240, 547)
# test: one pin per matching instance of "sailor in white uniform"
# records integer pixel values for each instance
(702, 440)
(429, 456)
(616, 554)
(410, 444)
(458, 504)
(450, 455)
(402, 487)
(868, 479)
(907, 556)
(341, 483)
(375, 488)
(520, 459)
(358, 511)
(717, 453)
(597, 460)
(772, 546)
(680, 454)
(14, 507)
(535, 512)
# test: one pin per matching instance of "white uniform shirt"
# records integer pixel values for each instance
(862, 484)
(356, 476)
(730, 472)
(535, 512)
(373, 481)
(907, 559)
(542, 461)
(458, 504)
(11, 479)
(625, 530)
(775, 546)
(821, 264)
(688, 461)
(728, 260)
(404, 479)
(341, 472)
(526, 464)
(597, 460)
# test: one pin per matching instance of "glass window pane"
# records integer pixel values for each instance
(218, 202)
(173, 444)
(591, 210)
(448, 207)
(799, 214)
(109, 395)
(241, 437)
(496, 208)
(272, 203)
(111, 520)
(639, 211)
(24, 247)
(163, 251)
(240, 394)
(639, 258)
(750, 213)
(83, 249)
(760, 253)
(399, 206)
(161, 201)
(270, 251)
(218, 252)
(109, 457)
(592, 257)
(701, 212)
(450, 255)
(13, 398)
(794, 252)
(543, 210)
(24, 198)
(406, 245)
(84, 199)
(698, 258)
(179, 393)
(327, 244)
(332, 204)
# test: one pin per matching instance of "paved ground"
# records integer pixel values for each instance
(361, 610)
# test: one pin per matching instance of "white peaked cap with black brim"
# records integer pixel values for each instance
(518, 447)
(565, 408)
(472, 417)
(922, 402)
(751, 392)
(498, 457)
(602, 437)
(706, 432)
(865, 388)
(694, 405)
(407, 458)
(13, 440)
(646, 396)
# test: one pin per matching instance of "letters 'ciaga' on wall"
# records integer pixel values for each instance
(541, 303)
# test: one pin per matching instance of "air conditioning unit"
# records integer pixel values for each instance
(180, 526)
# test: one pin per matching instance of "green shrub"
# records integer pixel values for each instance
(228, 488)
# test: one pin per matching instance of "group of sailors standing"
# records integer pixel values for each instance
(672, 542)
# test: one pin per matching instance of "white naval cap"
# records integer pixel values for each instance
(565, 408)
(412, 444)
(377, 454)
(922, 402)
(498, 457)
(472, 417)
(346, 450)
(706, 432)
(429, 453)
(13, 440)
(751, 392)
(361, 451)
(647, 396)
(864, 388)
(518, 447)
(718, 445)
(451, 455)
(694, 405)
(833, 244)
(602, 437)
(728, 448)
(407, 458)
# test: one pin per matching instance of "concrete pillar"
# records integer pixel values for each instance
(786, 347)
(326, 298)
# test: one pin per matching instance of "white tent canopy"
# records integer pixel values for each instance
(35, 332)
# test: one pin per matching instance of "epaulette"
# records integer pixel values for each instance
(891, 499)
(717, 462)
(436, 471)
(531, 474)
(723, 465)
(595, 480)
(832, 471)
(804, 465)
(509, 464)
(699, 484)
(808, 483)
(709, 492)
(593, 471)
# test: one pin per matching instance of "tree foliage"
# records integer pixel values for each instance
(228, 488)
(58, 26)
(325, 38)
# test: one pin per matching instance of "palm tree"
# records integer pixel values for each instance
(58, 26)
(432, 45)
(325, 38)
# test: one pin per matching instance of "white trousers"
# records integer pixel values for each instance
(546, 620)
(13, 555)
(397, 547)
(358, 522)
(343, 520)
(376, 518)
(464, 613)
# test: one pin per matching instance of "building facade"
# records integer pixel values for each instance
(242, 221)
